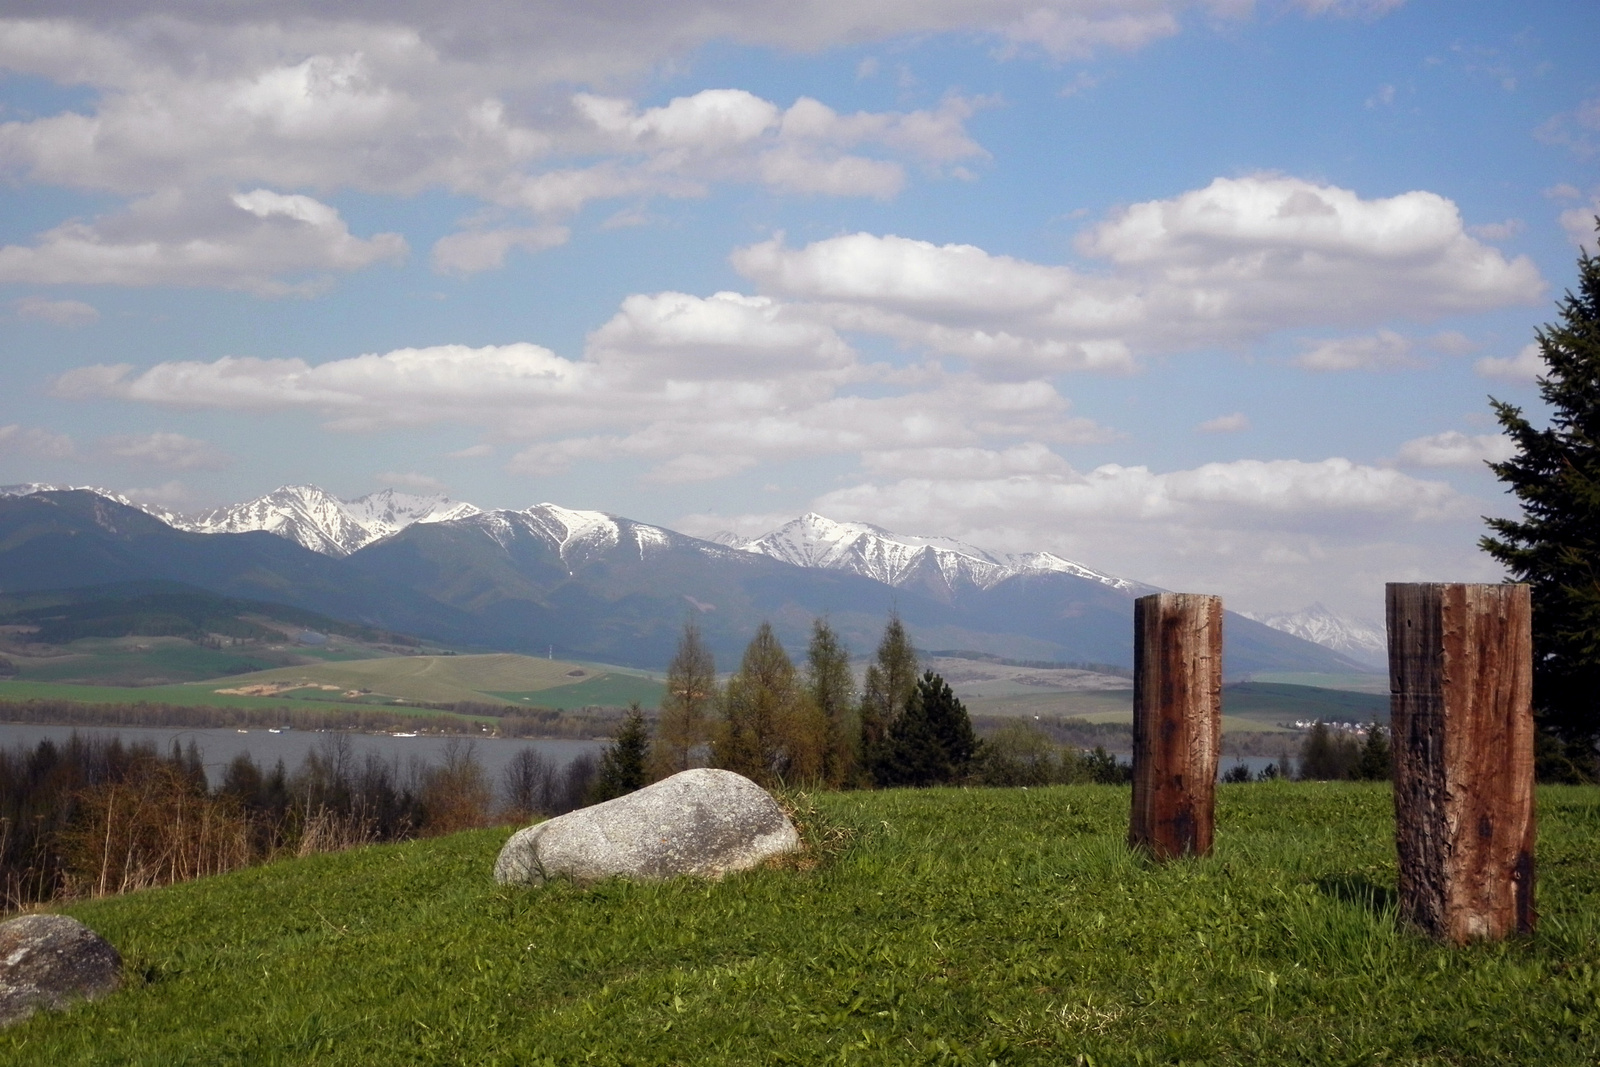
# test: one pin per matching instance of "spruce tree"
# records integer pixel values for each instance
(691, 691)
(830, 687)
(622, 764)
(931, 743)
(1555, 545)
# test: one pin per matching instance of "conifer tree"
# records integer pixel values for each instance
(759, 706)
(691, 693)
(830, 688)
(1555, 545)
(622, 764)
(889, 683)
(931, 743)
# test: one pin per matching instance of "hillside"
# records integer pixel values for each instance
(495, 678)
(941, 926)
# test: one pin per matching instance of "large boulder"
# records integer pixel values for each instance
(702, 822)
(49, 961)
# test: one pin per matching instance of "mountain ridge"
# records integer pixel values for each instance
(603, 587)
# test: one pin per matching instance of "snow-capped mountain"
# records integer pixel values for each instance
(323, 523)
(1360, 639)
(166, 515)
(576, 536)
(894, 559)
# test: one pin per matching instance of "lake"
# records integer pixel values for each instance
(219, 746)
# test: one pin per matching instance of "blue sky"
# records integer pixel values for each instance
(1208, 295)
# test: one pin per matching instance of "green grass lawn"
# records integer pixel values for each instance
(952, 927)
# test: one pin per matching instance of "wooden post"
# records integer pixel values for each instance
(1177, 722)
(1461, 687)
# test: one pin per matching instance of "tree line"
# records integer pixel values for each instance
(93, 816)
(781, 724)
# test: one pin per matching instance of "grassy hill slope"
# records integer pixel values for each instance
(951, 927)
(495, 678)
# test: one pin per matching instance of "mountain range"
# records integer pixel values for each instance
(1361, 639)
(589, 585)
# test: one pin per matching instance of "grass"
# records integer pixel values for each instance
(947, 927)
(610, 690)
(1250, 707)
(500, 678)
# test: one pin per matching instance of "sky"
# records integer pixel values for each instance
(1208, 295)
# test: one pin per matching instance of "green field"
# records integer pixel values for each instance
(943, 927)
(500, 678)
(1251, 707)
(495, 678)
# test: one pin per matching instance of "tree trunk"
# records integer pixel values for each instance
(1177, 722)
(1461, 687)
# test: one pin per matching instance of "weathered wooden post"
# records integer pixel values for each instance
(1177, 722)
(1461, 687)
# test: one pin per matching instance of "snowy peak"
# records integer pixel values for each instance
(317, 520)
(29, 488)
(576, 536)
(813, 540)
(1360, 639)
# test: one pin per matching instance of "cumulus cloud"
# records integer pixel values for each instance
(1384, 350)
(245, 241)
(1455, 449)
(165, 449)
(193, 109)
(35, 441)
(1231, 262)
(60, 312)
(1526, 366)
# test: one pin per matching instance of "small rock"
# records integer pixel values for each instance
(49, 961)
(702, 822)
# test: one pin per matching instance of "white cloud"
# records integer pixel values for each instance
(35, 441)
(247, 241)
(1231, 262)
(60, 312)
(406, 386)
(1385, 350)
(1579, 222)
(1526, 366)
(471, 251)
(1498, 231)
(1577, 130)
(1225, 424)
(1455, 449)
(409, 480)
(1257, 531)
(165, 449)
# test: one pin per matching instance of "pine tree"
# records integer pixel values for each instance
(1555, 545)
(622, 764)
(758, 708)
(691, 692)
(830, 688)
(931, 743)
(1376, 761)
(888, 685)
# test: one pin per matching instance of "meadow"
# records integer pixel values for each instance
(941, 926)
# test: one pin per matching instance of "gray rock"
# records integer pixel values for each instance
(49, 961)
(700, 822)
